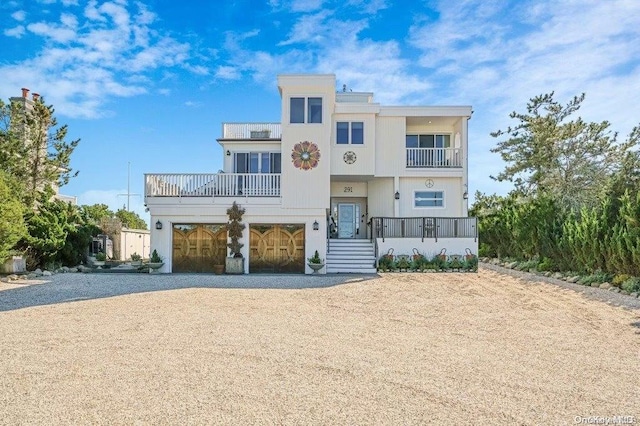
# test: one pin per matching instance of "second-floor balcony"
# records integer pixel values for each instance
(212, 185)
(434, 158)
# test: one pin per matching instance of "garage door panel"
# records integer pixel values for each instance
(276, 248)
(199, 247)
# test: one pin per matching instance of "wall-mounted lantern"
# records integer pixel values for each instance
(228, 153)
(316, 225)
(397, 195)
(465, 195)
(158, 225)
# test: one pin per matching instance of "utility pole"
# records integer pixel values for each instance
(128, 194)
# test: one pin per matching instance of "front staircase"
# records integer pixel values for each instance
(351, 256)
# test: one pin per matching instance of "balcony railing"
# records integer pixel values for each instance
(434, 157)
(212, 185)
(424, 227)
(251, 131)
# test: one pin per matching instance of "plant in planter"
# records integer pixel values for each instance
(235, 263)
(403, 263)
(455, 262)
(470, 262)
(155, 262)
(439, 262)
(386, 263)
(418, 260)
(136, 259)
(101, 258)
(315, 262)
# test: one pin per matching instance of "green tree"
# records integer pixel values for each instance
(48, 227)
(95, 213)
(131, 219)
(12, 226)
(35, 149)
(569, 159)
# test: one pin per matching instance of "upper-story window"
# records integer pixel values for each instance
(429, 141)
(311, 106)
(257, 162)
(350, 132)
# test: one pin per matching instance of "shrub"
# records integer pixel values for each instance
(619, 279)
(135, 257)
(547, 264)
(386, 263)
(155, 257)
(101, 257)
(631, 284)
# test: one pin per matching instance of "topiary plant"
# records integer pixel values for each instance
(234, 228)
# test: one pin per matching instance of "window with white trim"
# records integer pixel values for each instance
(257, 162)
(350, 132)
(300, 107)
(429, 141)
(423, 199)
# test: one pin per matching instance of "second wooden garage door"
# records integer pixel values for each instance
(276, 248)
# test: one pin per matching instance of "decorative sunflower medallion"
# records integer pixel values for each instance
(349, 157)
(305, 155)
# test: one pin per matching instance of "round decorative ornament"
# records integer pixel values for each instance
(428, 183)
(349, 157)
(305, 155)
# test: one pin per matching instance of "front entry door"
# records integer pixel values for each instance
(346, 220)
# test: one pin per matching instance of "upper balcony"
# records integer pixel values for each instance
(212, 185)
(420, 158)
(255, 131)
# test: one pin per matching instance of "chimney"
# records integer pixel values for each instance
(35, 96)
(25, 92)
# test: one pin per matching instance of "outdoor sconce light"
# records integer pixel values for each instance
(316, 225)
(465, 195)
(397, 196)
(158, 225)
(228, 153)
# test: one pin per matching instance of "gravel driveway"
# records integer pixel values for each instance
(396, 349)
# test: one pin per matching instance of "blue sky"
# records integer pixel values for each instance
(150, 82)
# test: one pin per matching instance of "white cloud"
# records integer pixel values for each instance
(54, 32)
(16, 32)
(69, 2)
(305, 5)
(87, 59)
(19, 15)
(228, 73)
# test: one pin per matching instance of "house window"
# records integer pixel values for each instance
(312, 107)
(350, 132)
(428, 199)
(257, 162)
(428, 141)
(315, 110)
(297, 110)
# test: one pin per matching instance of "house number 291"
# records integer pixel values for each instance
(348, 189)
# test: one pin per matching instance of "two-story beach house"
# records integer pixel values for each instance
(340, 174)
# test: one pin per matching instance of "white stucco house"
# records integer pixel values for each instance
(340, 174)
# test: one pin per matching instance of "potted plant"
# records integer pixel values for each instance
(315, 262)
(101, 258)
(136, 259)
(235, 262)
(386, 263)
(155, 262)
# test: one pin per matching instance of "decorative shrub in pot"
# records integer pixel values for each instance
(235, 262)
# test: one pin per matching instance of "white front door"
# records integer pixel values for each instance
(346, 220)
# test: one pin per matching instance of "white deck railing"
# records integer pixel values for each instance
(212, 185)
(434, 157)
(251, 131)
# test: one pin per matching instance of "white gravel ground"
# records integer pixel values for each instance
(396, 349)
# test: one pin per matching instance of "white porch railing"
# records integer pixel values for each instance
(251, 131)
(212, 185)
(434, 157)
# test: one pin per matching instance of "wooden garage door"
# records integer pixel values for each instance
(276, 248)
(199, 247)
